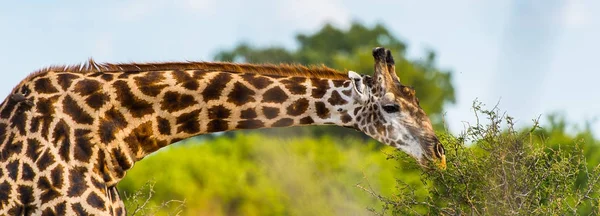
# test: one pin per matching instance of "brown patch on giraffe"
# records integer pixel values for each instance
(250, 124)
(46, 111)
(259, 82)
(26, 197)
(56, 175)
(215, 87)
(218, 112)
(19, 120)
(119, 211)
(9, 106)
(92, 90)
(59, 209)
(82, 150)
(307, 120)
(248, 114)
(16, 210)
(65, 80)
(107, 77)
(298, 107)
(189, 122)
(71, 108)
(185, 80)
(127, 99)
(141, 136)
(87, 86)
(96, 74)
(151, 83)
(270, 112)
(338, 83)
(24, 90)
(346, 118)
(44, 86)
(371, 129)
(174, 101)
(122, 162)
(112, 122)
(97, 100)
(5, 189)
(49, 192)
(27, 173)
(274, 95)
(336, 99)
(78, 209)
(99, 185)
(96, 201)
(356, 110)
(347, 92)
(319, 87)
(284, 122)
(11, 148)
(164, 126)
(322, 110)
(13, 169)
(61, 134)
(217, 125)
(295, 85)
(2, 132)
(33, 149)
(240, 95)
(77, 183)
(100, 166)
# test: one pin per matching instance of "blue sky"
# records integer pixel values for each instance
(535, 57)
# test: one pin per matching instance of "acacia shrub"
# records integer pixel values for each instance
(495, 169)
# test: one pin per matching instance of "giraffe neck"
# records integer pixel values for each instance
(162, 108)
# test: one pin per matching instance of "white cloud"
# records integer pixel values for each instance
(313, 13)
(574, 14)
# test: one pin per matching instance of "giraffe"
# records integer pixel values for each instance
(68, 134)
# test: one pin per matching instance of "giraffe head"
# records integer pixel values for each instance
(390, 112)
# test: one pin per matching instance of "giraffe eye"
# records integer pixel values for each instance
(391, 108)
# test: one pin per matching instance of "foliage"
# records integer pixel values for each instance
(351, 50)
(504, 172)
(252, 174)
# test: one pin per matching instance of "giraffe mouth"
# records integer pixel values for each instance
(437, 156)
(441, 162)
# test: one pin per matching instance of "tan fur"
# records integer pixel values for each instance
(264, 69)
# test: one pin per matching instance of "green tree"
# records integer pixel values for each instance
(351, 50)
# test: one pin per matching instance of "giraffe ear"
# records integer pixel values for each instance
(358, 85)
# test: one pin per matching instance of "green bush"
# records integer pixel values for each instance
(494, 171)
(252, 174)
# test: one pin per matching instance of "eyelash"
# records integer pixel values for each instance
(391, 108)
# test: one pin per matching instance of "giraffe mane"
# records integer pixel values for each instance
(264, 69)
